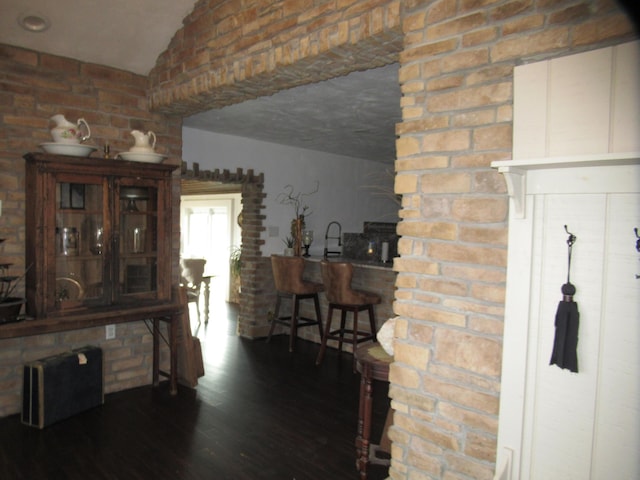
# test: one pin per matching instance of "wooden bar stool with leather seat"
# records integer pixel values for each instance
(337, 278)
(287, 274)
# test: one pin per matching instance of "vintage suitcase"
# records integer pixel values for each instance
(60, 386)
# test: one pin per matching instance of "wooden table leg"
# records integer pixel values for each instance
(207, 293)
(173, 355)
(364, 421)
(156, 352)
(360, 421)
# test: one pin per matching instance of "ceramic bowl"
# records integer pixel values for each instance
(71, 149)
(142, 157)
(141, 150)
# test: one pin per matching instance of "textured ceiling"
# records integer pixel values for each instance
(354, 115)
(125, 34)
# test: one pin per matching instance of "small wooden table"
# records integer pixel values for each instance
(168, 313)
(373, 364)
(206, 282)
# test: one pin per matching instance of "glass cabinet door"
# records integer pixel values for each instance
(138, 242)
(98, 235)
(81, 243)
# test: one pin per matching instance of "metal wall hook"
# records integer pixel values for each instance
(572, 238)
(570, 241)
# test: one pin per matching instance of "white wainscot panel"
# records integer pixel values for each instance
(618, 396)
(582, 104)
(560, 410)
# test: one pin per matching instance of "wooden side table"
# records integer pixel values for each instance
(206, 282)
(373, 364)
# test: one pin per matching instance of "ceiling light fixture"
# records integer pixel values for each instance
(34, 22)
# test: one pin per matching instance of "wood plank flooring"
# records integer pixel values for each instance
(259, 413)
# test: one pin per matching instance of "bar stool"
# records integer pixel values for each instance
(287, 275)
(337, 278)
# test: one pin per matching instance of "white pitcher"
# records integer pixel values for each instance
(143, 142)
(67, 132)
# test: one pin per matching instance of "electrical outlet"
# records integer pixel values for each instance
(110, 332)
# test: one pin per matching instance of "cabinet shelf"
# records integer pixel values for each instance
(522, 175)
(89, 318)
(79, 258)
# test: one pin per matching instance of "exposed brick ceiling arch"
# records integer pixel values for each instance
(291, 51)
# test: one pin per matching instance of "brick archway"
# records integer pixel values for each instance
(235, 51)
(246, 51)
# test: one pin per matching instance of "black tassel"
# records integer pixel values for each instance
(565, 345)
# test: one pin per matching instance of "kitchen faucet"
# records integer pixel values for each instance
(327, 237)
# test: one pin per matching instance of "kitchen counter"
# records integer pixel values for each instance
(375, 264)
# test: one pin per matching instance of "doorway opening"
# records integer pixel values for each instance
(249, 186)
(209, 230)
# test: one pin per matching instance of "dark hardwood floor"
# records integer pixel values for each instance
(258, 413)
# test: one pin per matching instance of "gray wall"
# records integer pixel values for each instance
(344, 191)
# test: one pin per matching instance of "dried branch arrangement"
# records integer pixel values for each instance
(296, 200)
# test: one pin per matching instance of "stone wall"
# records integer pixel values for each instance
(456, 75)
(457, 80)
(35, 86)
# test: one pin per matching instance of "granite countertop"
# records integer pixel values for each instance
(377, 264)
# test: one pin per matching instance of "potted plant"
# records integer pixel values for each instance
(288, 243)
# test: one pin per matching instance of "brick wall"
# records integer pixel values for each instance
(457, 59)
(34, 87)
(457, 79)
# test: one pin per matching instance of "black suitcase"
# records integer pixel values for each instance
(60, 386)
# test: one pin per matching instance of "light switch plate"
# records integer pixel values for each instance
(110, 332)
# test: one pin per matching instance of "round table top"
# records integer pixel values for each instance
(372, 360)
